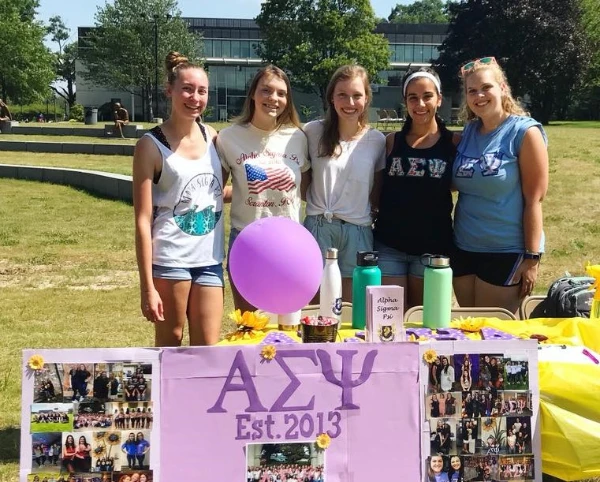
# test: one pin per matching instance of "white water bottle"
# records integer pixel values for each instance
(331, 287)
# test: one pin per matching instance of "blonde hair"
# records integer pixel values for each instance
(329, 145)
(175, 63)
(289, 116)
(509, 104)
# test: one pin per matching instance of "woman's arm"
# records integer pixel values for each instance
(305, 181)
(146, 162)
(533, 165)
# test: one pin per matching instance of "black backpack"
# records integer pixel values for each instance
(567, 297)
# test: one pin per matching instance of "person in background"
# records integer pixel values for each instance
(347, 159)
(501, 174)
(121, 118)
(415, 207)
(178, 204)
(265, 152)
(5, 114)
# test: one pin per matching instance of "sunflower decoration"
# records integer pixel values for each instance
(430, 355)
(488, 423)
(414, 337)
(99, 451)
(99, 436)
(268, 353)
(112, 439)
(35, 362)
(593, 270)
(469, 324)
(323, 441)
(249, 325)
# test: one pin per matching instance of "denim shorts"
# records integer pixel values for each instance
(202, 275)
(348, 238)
(395, 263)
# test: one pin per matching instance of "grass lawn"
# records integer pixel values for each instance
(53, 427)
(65, 139)
(68, 276)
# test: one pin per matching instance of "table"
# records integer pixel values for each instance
(569, 374)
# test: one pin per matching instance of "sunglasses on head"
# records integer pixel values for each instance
(473, 63)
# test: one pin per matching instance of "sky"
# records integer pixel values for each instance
(81, 13)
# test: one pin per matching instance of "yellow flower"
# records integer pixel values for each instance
(268, 352)
(323, 441)
(412, 337)
(468, 324)
(249, 319)
(36, 362)
(430, 355)
(594, 271)
(423, 338)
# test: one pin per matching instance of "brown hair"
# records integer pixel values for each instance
(289, 116)
(329, 145)
(509, 104)
(175, 63)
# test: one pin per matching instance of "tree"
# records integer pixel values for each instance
(310, 39)
(64, 59)
(539, 43)
(119, 53)
(26, 63)
(421, 11)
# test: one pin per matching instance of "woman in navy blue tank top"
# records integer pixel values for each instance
(415, 208)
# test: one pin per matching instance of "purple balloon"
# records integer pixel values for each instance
(276, 265)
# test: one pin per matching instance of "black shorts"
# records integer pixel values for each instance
(497, 269)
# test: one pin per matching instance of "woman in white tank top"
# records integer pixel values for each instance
(178, 202)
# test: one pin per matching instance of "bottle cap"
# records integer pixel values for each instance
(367, 258)
(435, 260)
(332, 253)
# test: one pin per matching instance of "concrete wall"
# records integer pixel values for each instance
(105, 184)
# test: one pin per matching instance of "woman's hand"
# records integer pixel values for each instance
(526, 274)
(152, 306)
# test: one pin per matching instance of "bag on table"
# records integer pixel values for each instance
(568, 297)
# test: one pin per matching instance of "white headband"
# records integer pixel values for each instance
(427, 75)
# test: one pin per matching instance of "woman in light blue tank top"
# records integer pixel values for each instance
(501, 174)
(178, 200)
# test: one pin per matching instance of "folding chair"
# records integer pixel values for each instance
(415, 314)
(528, 304)
(382, 118)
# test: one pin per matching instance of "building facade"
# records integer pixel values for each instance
(231, 62)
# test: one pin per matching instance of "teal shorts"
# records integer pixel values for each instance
(348, 238)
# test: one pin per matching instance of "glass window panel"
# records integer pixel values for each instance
(226, 48)
(208, 48)
(235, 49)
(218, 52)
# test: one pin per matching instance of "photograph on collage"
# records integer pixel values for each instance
(441, 375)
(132, 415)
(492, 435)
(51, 417)
(107, 385)
(491, 372)
(443, 435)
(443, 468)
(482, 468)
(515, 403)
(519, 467)
(133, 476)
(77, 452)
(518, 435)
(137, 382)
(443, 405)
(46, 452)
(47, 384)
(467, 436)
(135, 446)
(286, 461)
(516, 373)
(106, 451)
(92, 414)
(466, 371)
(77, 381)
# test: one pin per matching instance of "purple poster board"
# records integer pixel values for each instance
(226, 410)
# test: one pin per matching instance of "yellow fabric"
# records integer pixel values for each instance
(569, 393)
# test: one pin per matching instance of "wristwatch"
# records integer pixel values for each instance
(532, 255)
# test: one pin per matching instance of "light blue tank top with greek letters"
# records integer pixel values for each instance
(489, 212)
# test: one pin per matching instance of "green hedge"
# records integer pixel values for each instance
(31, 111)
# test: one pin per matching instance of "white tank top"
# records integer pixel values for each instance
(187, 225)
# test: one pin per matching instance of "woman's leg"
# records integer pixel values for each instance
(487, 294)
(205, 313)
(415, 292)
(175, 296)
(464, 290)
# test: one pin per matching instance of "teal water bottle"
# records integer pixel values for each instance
(366, 273)
(437, 291)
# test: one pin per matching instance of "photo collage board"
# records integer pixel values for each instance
(91, 419)
(479, 411)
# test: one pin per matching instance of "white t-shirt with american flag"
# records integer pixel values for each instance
(266, 169)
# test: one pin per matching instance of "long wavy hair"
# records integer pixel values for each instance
(329, 145)
(289, 116)
(510, 105)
